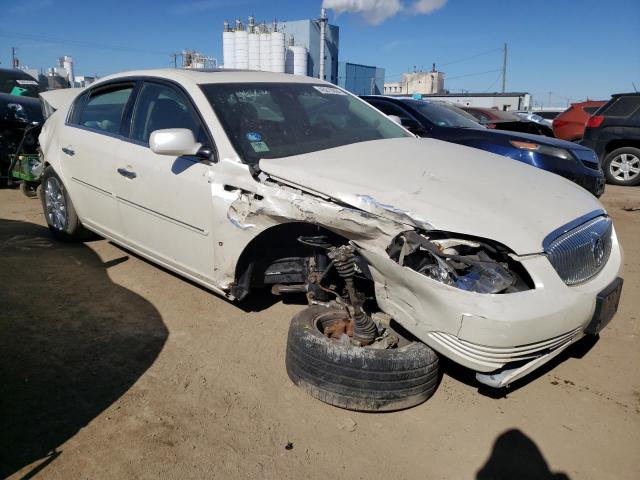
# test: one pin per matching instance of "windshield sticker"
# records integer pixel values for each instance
(254, 137)
(259, 147)
(329, 90)
(26, 82)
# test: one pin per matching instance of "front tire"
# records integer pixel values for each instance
(59, 212)
(622, 166)
(357, 378)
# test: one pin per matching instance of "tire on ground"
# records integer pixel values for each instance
(635, 180)
(357, 378)
(73, 230)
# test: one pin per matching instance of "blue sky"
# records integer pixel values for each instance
(573, 48)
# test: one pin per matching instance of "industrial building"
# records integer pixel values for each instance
(301, 47)
(501, 101)
(412, 83)
(361, 79)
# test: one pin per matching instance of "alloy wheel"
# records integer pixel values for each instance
(55, 204)
(625, 167)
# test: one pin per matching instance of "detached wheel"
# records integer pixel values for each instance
(622, 166)
(357, 378)
(61, 216)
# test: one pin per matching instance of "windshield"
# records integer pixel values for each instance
(444, 115)
(272, 120)
(18, 83)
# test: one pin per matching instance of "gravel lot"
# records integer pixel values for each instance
(114, 368)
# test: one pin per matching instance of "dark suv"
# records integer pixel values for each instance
(614, 133)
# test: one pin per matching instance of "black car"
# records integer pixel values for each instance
(20, 111)
(614, 133)
(446, 122)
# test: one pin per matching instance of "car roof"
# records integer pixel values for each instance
(202, 76)
(630, 94)
(8, 73)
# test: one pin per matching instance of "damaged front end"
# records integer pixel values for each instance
(470, 264)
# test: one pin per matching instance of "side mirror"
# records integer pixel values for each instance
(395, 118)
(174, 141)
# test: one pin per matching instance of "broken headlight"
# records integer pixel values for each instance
(473, 265)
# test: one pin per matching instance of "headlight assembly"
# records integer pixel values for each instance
(467, 264)
(544, 149)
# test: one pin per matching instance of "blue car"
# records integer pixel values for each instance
(446, 122)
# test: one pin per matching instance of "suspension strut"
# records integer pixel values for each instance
(344, 261)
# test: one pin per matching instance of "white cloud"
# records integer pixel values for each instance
(377, 11)
(422, 7)
(373, 11)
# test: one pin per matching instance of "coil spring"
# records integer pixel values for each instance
(344, 261)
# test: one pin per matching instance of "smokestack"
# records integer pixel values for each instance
(323, 27)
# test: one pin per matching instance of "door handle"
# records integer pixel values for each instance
(68, 151)
(127, 173)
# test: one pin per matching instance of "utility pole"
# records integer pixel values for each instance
(504, 69)
(174, 56)
(549, 101)
(14, 60)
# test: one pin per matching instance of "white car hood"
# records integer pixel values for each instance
(431, 183)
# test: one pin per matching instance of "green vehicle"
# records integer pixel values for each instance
(20, 121)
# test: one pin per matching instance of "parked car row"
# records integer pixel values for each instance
(447, 122)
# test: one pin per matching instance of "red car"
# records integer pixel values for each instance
(498, 119)
(569, 125)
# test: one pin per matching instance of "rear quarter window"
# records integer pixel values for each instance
(621, 106)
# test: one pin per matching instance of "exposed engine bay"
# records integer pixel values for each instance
(469, 264)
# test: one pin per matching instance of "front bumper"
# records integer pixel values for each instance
(488, 332)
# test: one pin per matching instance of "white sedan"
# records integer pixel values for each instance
(405, 248)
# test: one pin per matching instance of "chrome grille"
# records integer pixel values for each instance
(582, 252)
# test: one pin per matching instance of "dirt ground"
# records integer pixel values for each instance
(111, 367)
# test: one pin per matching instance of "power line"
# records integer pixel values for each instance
(81, 44)
(474, 74)
(471, 57)
(494, 82)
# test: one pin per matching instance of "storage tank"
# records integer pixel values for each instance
(277, 52)
(288, 60)
(299, 60)
(265, 51)
(254, 51)
(228, 47)
(242, 49)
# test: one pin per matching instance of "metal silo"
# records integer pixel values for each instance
(228, 47)
(265, 50)
(241, 47)
(277, 52)
(299, 60)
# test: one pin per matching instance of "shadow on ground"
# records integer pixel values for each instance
(71, 343)
(516, 456)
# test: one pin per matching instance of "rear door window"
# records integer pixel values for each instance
(104, 109)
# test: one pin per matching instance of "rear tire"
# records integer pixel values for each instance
(357, 378)
(59, 212)
(622, 166)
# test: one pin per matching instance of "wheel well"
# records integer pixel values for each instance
(274, 243)
(615, 144)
